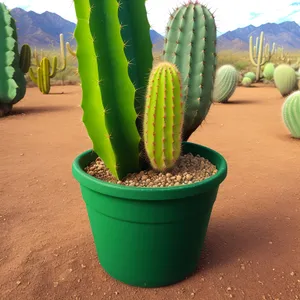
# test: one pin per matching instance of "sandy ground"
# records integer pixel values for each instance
(252, 250)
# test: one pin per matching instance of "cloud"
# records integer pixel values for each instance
(229, 14)
(254, 15)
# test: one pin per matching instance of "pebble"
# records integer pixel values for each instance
(188, 170)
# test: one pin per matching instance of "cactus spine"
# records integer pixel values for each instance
(114, 66)
(12, 64)
(291, 114)
(262, 54)
(225, 83)
(285, 79)
(163, 119)
(44, 69)
(190, 44)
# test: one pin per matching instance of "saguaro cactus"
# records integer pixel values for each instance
(43, 75)
(190, 44)
(163, 119)
(44, 69)
(12, 64)
(114, 67)
(261, 54)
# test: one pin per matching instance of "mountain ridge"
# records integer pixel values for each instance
(42, 30)
(285, 34)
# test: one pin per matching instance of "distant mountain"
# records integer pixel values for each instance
(43, 30)
(286, 34)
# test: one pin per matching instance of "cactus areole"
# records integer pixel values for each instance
(135, 113)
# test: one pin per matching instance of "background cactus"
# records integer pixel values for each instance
(269, 71)
(261, 53)
(285, 79)
(114, 77)
(69, 48)
(163, 119)
(12, 64)
(45, 71)
(246, 81)
(190, 44)
(250, 75)
(225, 84)
(291, 114)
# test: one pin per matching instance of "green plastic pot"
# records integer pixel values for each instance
(149, 237)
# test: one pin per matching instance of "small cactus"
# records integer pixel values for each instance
(291, 114)
(269, 71)
(42, 76)
(163, 118)
(225, 84)
(285, 79)
(250, 75)
(246, 81)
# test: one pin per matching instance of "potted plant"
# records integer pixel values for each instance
(149, 193)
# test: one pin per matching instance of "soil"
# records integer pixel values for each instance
(188, 169)
(252, 249)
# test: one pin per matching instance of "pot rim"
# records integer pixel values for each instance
(151, 193)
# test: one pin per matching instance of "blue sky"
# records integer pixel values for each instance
(230, 14)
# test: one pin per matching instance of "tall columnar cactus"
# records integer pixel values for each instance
(225, 84)
(291, 114)
(285, 79)
(269, 71)
(12, 64)
(44, 69)
(261, 54)
(163, 119)
(115, 58)
(190, 44)
(43, 74)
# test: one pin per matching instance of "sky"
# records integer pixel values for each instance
(229, 14)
